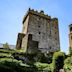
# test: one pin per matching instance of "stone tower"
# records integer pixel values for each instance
(70, 38)
(39, 32)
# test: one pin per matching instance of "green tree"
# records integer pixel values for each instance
(58, 61)
(68, 64)
(6, 45)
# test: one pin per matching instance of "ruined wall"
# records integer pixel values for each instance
(19, 40)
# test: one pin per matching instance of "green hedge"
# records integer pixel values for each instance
(58, 61)
(68, 64)
(15, 66)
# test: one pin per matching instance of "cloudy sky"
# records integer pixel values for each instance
(12, 12)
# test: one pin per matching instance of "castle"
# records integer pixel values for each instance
(70, 38)
(39, 32)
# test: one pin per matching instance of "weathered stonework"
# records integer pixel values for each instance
(19, 40)
(70, 38)
(44, 32)
(32, 45)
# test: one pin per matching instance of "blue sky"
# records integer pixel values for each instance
(12, 12)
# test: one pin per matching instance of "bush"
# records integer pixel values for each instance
(68, 64)
(6, 45)
(9, 65)
(44, 66)
(58, 61)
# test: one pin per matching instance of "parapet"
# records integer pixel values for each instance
(32, 11)
(55, 20)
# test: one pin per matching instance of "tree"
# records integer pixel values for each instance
(58, 61)
(6, 45)
(68, 64)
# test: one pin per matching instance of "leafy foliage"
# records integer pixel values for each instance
(15, 66)
(58, 61)
(68, 64)
(18, 61)
(6, 45)
(44, 66)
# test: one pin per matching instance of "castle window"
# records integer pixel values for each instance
(55, 32)
(39, 18)
(71, 29)
(55, 38)
(39, 32)
(71, 37)
(39, 26)
(55, 27)
(50, 33)
(50, 47)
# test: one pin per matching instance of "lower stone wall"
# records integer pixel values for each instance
(32, 46)
(19, 40)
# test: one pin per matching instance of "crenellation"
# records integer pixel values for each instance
(41, 13)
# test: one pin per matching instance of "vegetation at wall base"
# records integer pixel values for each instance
(58, 61)
(18, 61)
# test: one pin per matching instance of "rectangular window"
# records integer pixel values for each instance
(71, 37)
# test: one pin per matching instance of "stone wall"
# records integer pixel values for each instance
(25, 26)
(32, 46)
(44, 31)
(19, 40)
(24, 42)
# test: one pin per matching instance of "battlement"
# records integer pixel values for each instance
(32, 11)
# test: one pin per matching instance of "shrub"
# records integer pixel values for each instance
(68, 64)
(58, 61)
(6, 45)
(44, 66)
(14, 66)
